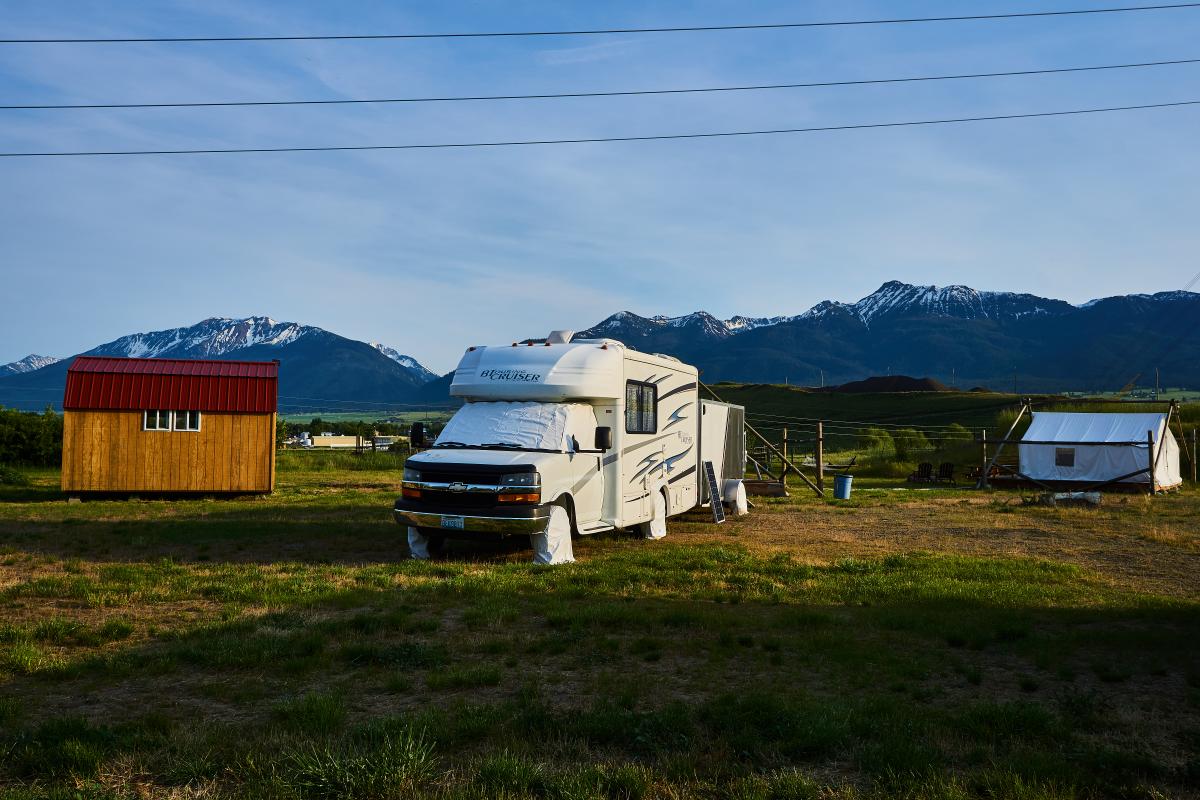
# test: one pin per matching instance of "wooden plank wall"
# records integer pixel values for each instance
(107, 451)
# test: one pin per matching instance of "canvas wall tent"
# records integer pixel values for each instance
(1053, 450)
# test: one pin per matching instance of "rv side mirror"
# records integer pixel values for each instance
(416, 435)
(603, 438)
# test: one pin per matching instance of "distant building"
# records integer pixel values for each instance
(169, 425)
(328, 441)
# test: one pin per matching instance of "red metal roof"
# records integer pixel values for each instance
(175, 384)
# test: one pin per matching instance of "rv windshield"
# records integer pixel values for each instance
(520, 426)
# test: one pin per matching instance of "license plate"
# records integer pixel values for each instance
(452, 522)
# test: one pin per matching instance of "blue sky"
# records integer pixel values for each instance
(430, 251)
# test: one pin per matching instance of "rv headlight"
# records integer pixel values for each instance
(520, 487)
(521, 479)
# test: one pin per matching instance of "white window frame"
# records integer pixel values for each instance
(175, 426)
(158, 418)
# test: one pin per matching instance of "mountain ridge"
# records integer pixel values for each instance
(29, 363)
(318, 368)
(956, 334)
(960, 334)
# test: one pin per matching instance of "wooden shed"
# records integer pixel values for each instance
(169, 425)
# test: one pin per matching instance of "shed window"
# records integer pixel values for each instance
(157, 421)
(641, 407)
(187, 420)
(1064, 456)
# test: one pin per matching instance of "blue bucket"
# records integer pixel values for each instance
(841, 486)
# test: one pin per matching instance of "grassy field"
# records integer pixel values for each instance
(915, 644)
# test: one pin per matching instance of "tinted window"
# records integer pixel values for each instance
(157, 421)
(641, 407)
(1064, 456)
(187, 420)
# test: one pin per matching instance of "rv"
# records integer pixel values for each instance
(560, 437)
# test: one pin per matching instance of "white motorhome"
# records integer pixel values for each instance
(559, 437)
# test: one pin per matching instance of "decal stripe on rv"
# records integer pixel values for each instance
(676, 391)
(683, 474)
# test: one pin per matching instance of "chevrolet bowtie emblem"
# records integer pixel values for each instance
(457, 486)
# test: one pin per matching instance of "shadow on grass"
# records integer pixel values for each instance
(801, 668)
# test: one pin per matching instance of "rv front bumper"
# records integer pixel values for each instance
(473, 522)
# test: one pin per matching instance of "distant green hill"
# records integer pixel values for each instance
(804, 406)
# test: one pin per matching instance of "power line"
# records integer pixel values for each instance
(606, 31)
(658, 137)
(631, 93)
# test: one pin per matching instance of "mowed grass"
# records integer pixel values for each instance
(905, 644)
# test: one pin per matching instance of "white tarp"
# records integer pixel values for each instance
(1094, 464)
(553, 546)
(531, 425)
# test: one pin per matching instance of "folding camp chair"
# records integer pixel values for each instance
(924, 473)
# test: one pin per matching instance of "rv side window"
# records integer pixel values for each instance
(1064, 456)
(641, 407)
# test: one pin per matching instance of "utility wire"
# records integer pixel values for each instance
(605, 31)
(632, 93)
(659, 137)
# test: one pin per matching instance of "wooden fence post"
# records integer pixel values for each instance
(983, 462)
(1153, 453)
(819, 456)
(1193, 455)
(784, 465)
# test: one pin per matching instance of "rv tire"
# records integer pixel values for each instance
(567, 502)
(656, 527)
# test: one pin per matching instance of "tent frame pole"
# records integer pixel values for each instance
(1153, 458)
(1162, 442)
(1111, 481)
(983, 477)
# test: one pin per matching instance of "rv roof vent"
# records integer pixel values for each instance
(669, 358)
(560, 337)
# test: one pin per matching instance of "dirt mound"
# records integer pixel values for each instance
(891, 383)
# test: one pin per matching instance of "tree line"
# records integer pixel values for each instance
(30, 439)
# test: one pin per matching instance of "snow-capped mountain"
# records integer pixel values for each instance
(404, 361)
(897, 298)
(893, 298)
(627, 325)
(27, 364)
(319, 370)
(955, 333)
(211, 338)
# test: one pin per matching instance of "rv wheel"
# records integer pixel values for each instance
(656, 528)
(553, 546)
